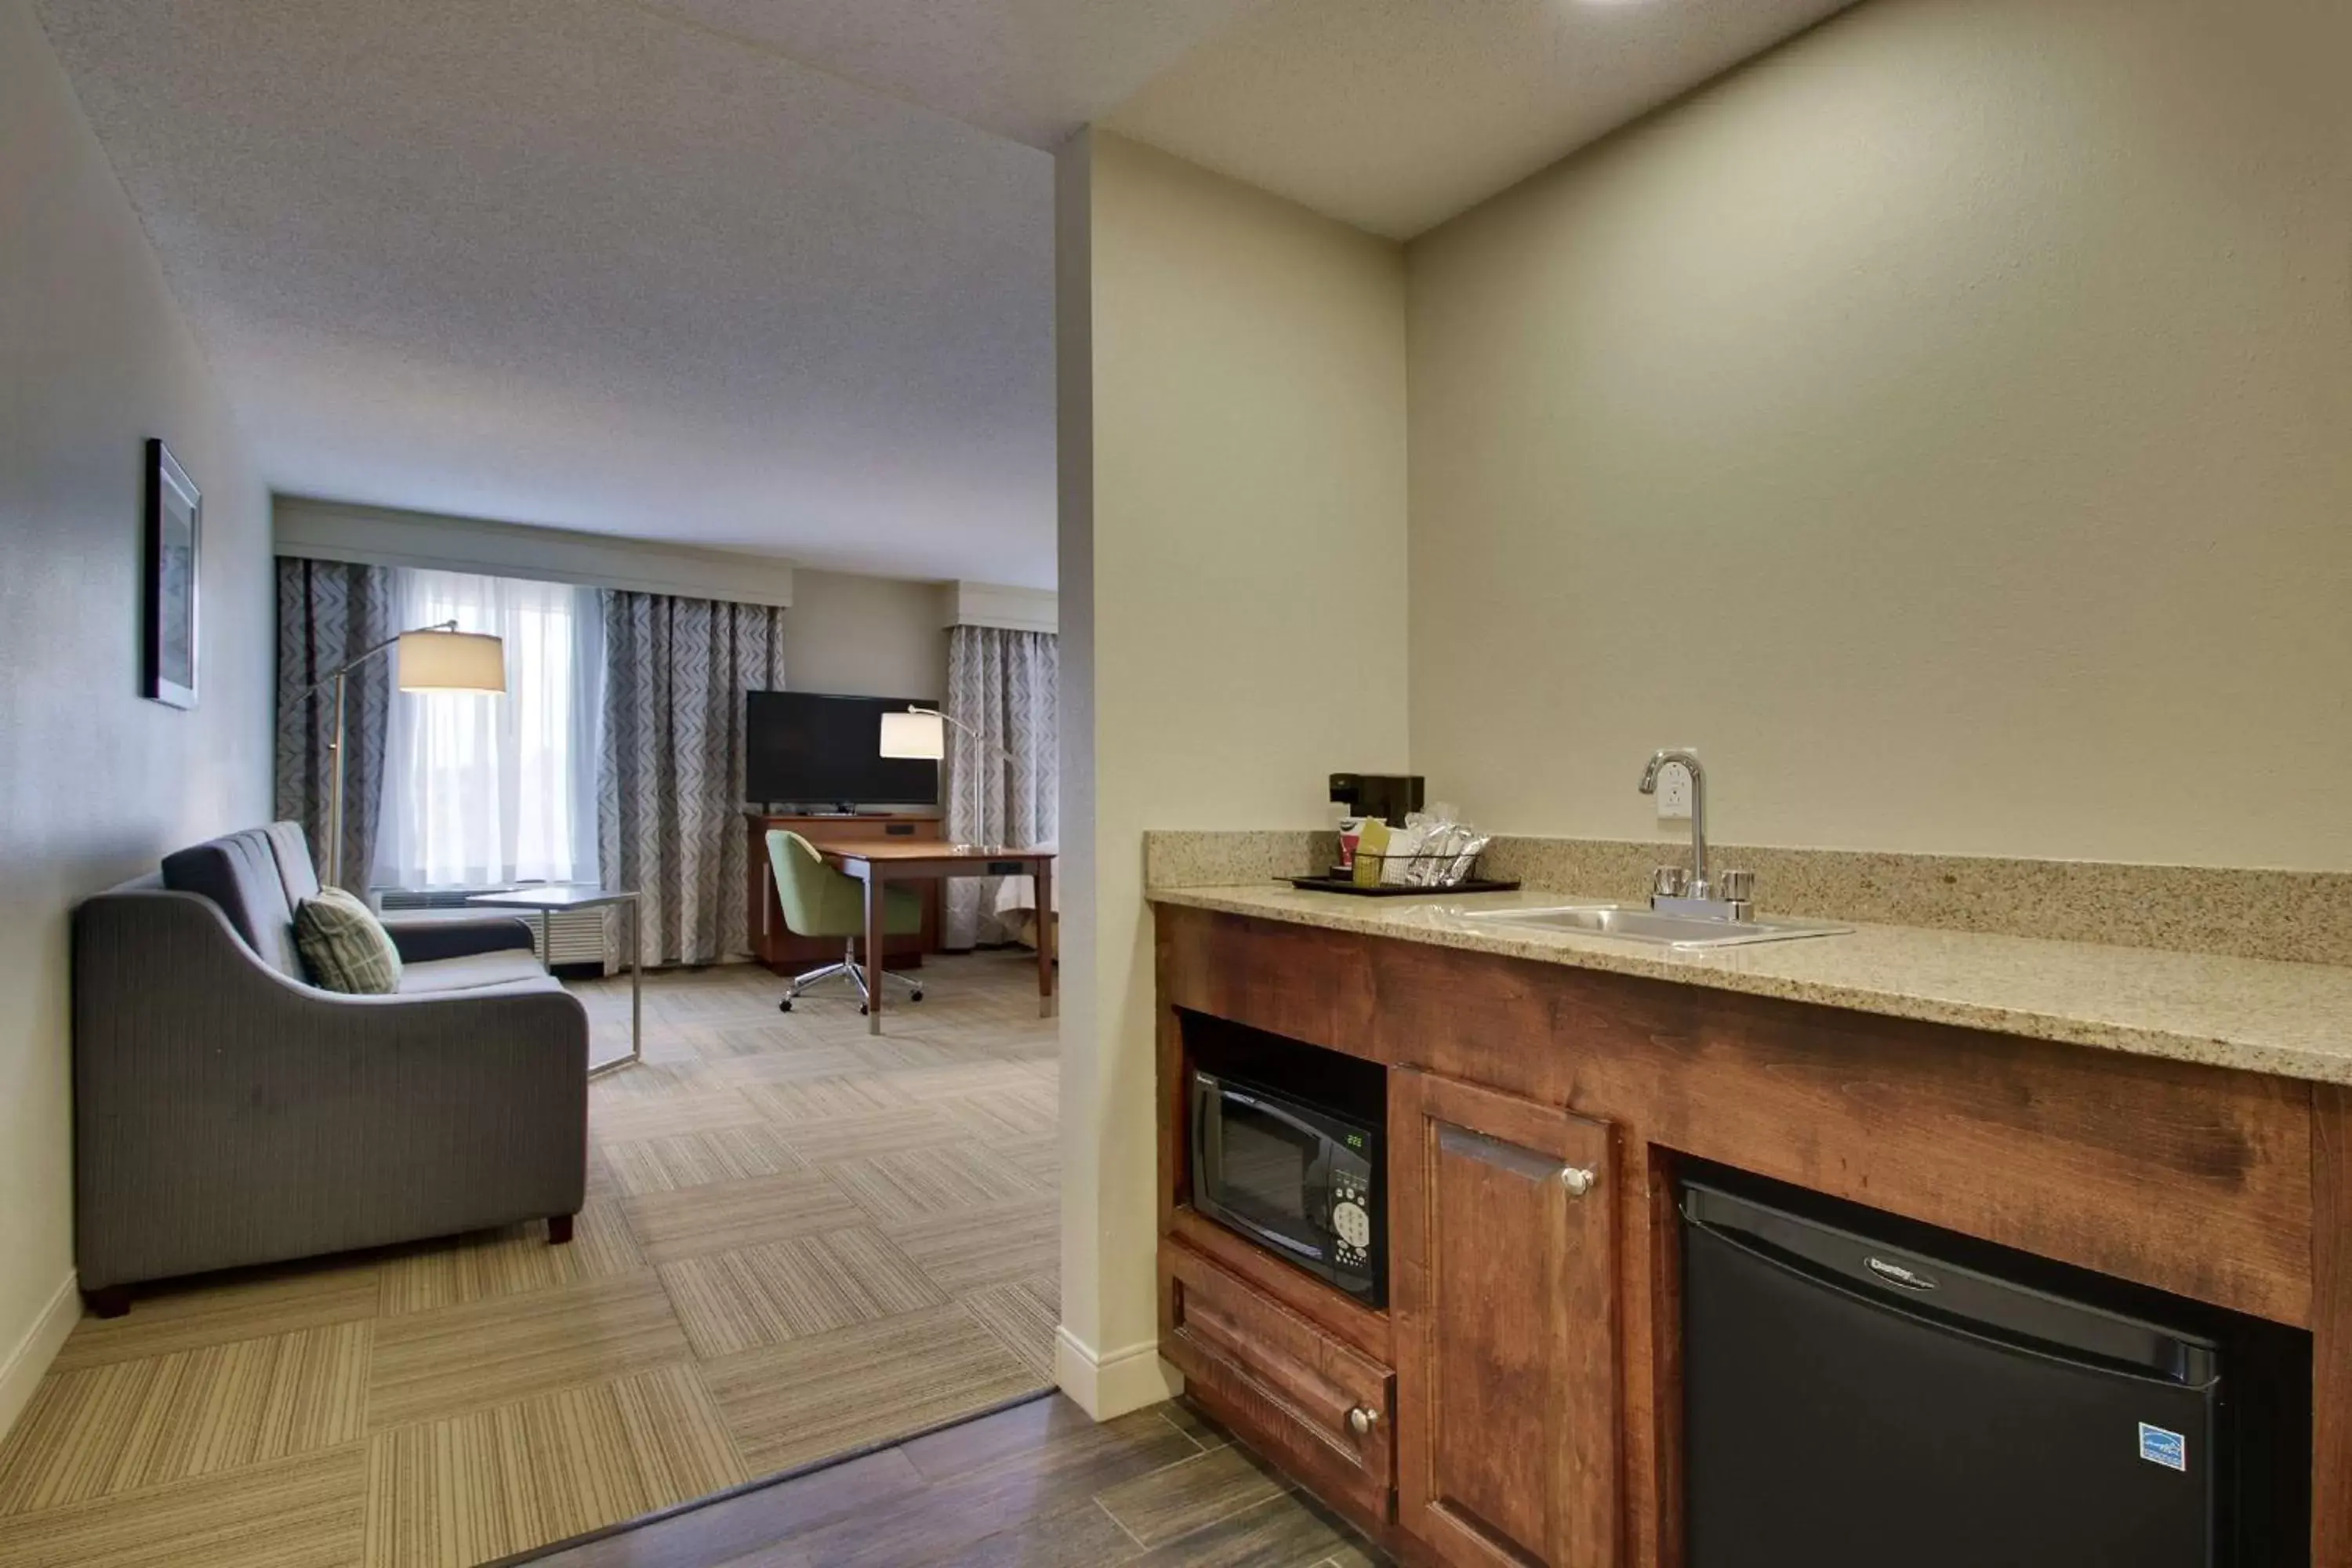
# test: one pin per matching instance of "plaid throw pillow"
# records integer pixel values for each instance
(345, 946)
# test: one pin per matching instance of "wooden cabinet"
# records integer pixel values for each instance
(1503, 1292)
(787, 953)
(1319, 1407)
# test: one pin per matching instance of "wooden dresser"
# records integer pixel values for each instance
(786, 954)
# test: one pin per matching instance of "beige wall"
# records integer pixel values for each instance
(1944, 424)
(866, 636)
(1233, 600)
(95, 782)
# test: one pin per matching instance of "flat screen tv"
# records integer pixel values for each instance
(808, 749)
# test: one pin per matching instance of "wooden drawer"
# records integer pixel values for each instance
(1284, 1384)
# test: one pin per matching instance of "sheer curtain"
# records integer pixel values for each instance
(480, 789)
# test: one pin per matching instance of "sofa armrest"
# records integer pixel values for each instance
(226, 1114)
(427, 938)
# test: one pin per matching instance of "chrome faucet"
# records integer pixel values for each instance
(1698, 887)
(1694, 892)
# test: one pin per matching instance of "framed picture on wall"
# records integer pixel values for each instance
(174, 532)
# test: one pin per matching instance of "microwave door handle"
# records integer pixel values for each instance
(1208, 1138)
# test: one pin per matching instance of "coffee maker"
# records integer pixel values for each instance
(1388, 796)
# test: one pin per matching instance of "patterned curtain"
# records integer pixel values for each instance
(329, 613)
(669, 792)
(1002, 683)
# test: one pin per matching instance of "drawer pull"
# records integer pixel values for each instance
(1578, 1181)
(1361, 1420)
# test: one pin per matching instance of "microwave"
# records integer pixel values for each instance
(1299, 1180)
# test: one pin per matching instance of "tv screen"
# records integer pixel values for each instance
(810, 748)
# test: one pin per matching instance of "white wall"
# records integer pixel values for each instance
(1232, 602)
(1944, 424)
(865, 636)
(96, 783)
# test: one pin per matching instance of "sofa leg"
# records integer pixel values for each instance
(108, 1301)
(558, 1229)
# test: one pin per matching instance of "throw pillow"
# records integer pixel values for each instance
(345, 946)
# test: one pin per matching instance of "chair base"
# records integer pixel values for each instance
(856, 972)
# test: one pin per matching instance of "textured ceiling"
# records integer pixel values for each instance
(571, 262)
(1394, 115)
(769, 274)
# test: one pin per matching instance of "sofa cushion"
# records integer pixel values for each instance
(294, 866)
(239, 872)
(473, 969)
(345, 946)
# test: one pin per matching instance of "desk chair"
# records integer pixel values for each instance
(819, 901)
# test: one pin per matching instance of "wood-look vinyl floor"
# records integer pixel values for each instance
(798, 1240)
(1037, 1485)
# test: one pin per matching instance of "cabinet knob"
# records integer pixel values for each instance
(1361, 1420)
(1577, 1179)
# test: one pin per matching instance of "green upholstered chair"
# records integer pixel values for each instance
(819, 901)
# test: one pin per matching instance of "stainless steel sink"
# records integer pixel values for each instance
(1634, 924)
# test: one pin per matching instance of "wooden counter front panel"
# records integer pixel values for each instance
(2331, 1328)
(1297, 981)
(1504, 1274)
(2190, 1179)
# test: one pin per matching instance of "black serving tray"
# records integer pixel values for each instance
(1337, 884)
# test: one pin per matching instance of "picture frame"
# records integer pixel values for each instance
(174, 558)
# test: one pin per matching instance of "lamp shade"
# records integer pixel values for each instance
(452, 661)
(914, 733)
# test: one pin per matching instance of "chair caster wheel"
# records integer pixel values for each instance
(919, 995)
(785, 1005)
(862, 1009)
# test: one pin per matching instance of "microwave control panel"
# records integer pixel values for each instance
(1352, 1220)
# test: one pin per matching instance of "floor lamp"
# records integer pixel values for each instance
(438, 657)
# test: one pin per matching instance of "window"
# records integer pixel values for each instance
(481, 789)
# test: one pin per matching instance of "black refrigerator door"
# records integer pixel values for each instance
(1825, 1428)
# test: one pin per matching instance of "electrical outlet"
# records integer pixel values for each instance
(1674, 793)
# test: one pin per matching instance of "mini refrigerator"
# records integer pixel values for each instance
(1853, 1396)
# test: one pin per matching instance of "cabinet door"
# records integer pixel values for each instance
(1504, 1297)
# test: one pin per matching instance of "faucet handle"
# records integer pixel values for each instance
(1669, 882)
(1740, 885)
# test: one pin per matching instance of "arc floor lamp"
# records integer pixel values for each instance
(438, 657)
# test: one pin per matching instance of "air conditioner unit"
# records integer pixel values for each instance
(577, 936)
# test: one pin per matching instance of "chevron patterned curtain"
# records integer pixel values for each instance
(669, 789)
(1002, 683)
(329, 613)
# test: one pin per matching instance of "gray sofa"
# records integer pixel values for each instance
(227, 1112)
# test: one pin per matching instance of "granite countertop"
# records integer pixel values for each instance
(2294, 1020)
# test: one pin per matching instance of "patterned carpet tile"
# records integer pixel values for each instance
(723, 1215)
(826, 1099)
(1024, 1315)
(219, 1310)
(697, 1159)
(621, 1121)
(508, 1262)
(444, 1494)
(429, 1365)
(999, 1245)
(806, 1398)
(880, 1132)
(1021, 1109)
(127, 1425)
(738, 1301)
(306, 1512)
(910, 1184)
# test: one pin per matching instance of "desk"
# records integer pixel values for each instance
(883, 862)
(551, 897)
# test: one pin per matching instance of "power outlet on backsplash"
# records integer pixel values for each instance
(1674, 793)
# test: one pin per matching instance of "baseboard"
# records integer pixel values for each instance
(31, 1358)
(1108, 1385)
